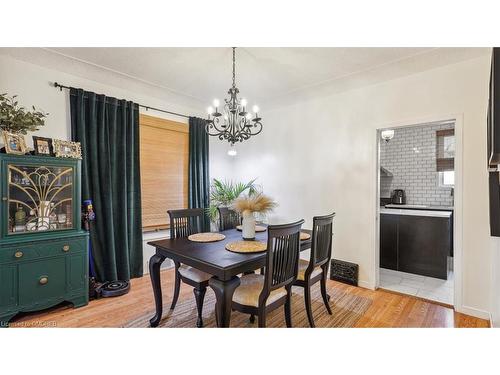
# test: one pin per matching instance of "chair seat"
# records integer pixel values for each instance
(303, 264)
(251, 286)
(193, 274)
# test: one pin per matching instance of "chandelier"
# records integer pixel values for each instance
(235, 123)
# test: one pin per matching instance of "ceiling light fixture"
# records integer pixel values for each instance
(234, 124)
(387, 135)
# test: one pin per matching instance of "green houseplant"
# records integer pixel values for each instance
(223, 193)
(17, 119)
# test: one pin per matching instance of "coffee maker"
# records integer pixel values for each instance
(398, 196)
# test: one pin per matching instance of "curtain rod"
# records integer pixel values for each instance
(61, 87)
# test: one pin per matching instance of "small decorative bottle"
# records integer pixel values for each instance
(20, 219)
(20, 216)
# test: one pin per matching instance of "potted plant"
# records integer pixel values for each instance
(17, 119)
(223, 193)
(247, 206)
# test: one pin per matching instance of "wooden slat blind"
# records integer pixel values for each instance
(164, 150)
(443, 160)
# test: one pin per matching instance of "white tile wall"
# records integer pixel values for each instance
(411, 157)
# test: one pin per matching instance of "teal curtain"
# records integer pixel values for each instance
(199, 181)
(108, 130)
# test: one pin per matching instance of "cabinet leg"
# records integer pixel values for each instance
(79, 301)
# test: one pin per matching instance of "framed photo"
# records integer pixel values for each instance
(67, 149)
(43, 146)
(14, 143)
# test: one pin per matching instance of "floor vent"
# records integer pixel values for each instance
(344, 272)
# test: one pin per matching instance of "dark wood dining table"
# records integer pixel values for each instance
(212, 258)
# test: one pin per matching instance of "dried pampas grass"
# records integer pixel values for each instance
(254, 203)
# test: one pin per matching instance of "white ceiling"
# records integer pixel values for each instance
(265, 76)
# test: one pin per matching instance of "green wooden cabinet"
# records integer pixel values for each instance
(43, 250)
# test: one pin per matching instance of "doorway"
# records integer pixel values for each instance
(418, 202)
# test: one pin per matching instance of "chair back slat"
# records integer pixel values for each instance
(185, 222)
(283, 248)
(228, 219)
(321, 243)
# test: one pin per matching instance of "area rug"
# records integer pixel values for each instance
(347, 309)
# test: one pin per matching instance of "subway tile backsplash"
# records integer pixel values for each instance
(411, 157)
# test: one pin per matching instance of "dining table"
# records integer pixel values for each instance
(214, 259)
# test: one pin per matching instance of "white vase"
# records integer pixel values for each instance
(43, 221)
(248, 226)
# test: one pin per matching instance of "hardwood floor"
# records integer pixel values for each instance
(388, 309)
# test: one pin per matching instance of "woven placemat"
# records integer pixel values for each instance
(206, 237)
(246, 246)
(258, 228)
(304, 236)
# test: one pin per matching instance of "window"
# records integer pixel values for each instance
(164, 147)
(445, 157)
(446, 179)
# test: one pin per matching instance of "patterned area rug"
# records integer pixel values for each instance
(347, 309)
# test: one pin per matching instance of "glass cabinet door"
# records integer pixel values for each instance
(39, 198)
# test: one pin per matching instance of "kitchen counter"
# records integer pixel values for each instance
(419, 207)
(415, 212)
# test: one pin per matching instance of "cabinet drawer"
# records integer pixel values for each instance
(31, 251)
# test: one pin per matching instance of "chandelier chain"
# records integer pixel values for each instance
(234, 67)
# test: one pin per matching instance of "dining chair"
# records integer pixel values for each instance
(260, 294)
(316, 269)
(183, 223)
(228, 219)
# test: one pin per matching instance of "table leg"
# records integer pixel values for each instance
(154, 272)
(224, 294)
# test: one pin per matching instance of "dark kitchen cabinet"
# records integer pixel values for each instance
(415, 244)
(389, 241)
(424, 245)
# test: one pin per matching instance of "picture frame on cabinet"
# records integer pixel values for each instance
(67, 149)
(14, 143)
(43, 146)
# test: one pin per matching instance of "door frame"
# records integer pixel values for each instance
(458, 199)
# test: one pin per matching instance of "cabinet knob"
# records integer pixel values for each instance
(65, 248)
(18, 254)
(43, 280)
(4, 199)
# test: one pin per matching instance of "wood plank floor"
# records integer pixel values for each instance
(388, 309)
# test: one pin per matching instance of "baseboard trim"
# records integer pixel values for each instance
(366, 285)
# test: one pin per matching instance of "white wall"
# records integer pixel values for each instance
(33, 84)
(319, 156)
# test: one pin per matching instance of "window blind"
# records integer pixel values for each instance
(164, 169)
(445, 150)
